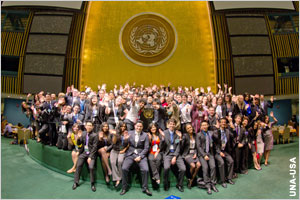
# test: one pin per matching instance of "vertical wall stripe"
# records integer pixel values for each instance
(74, 48)
(14, 44)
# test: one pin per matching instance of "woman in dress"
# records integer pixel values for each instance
(268, 136)
(103, 150)
(72, 140)
(189, 154)
(260, 141)
(198, 115)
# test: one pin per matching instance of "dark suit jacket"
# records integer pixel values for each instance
(201, 144)
(100, 116)
(240, 138)
(185, 144)
(267, 104)
(237, 110)
(167, 144)
(218, 141)
(159, 116)
(142, 145)
(92, 144)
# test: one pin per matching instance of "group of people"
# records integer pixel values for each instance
(154, 128)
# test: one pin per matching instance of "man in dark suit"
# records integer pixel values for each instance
(171, 155)
(204, 143)
(266, 104)
(159, 114)
(238, 144)
(222, 138)
(87, 153)
(137, 153)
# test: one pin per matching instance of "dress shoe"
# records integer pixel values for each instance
(93, 188)
(224, 185)
(180, 188)
(213, 187)
(75, 185)
(123, 192)
(230, 182)
(209, 191)
(244, 172)
(235, 176)
(166, 187)
(147, 192)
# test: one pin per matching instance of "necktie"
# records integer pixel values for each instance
(172, 137)
(206, 142)
(223, 138)
(81, 106)
(87, 139)
(86, 144)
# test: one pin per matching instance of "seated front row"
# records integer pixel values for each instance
(162, 149)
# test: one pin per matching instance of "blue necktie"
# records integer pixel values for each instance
(223, 137)
(206, 142)
(172, 140)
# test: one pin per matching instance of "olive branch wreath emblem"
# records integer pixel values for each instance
(158, 48)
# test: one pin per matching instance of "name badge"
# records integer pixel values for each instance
(223, 145)
(155, 148)
(86, 149)
(200, 114)
(192, 151)
(135, 151)
(63, 129)
(172, 147)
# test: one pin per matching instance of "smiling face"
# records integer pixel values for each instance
(204, 126)
(89, 127)
(138, 127)
(189, 129)
(153, 129)
(105, 128)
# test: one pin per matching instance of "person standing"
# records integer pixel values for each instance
(204, 143)
(87, 153)
(222, 137)
(268, 136)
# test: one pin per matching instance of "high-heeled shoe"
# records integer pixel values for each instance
(107, 179)
(190, 182)
(70, 171)
(117, 184)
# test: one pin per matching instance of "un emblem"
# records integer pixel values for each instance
(148, 39)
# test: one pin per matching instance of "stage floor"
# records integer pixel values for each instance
(23, 178)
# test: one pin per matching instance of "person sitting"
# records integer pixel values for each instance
(136, 153)
(8, 131)
(171, 155)
(72, 139)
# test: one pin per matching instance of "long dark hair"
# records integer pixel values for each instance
(150, 127)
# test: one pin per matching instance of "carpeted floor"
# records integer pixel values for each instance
(23, 178)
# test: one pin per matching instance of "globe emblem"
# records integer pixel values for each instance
(148, 39)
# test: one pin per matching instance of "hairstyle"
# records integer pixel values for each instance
(139, 122)
(102, 125)
(172, 120)
(151, 125)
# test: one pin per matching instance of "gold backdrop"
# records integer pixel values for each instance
(192, 64)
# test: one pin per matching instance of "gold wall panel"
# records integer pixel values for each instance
(192, 64)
